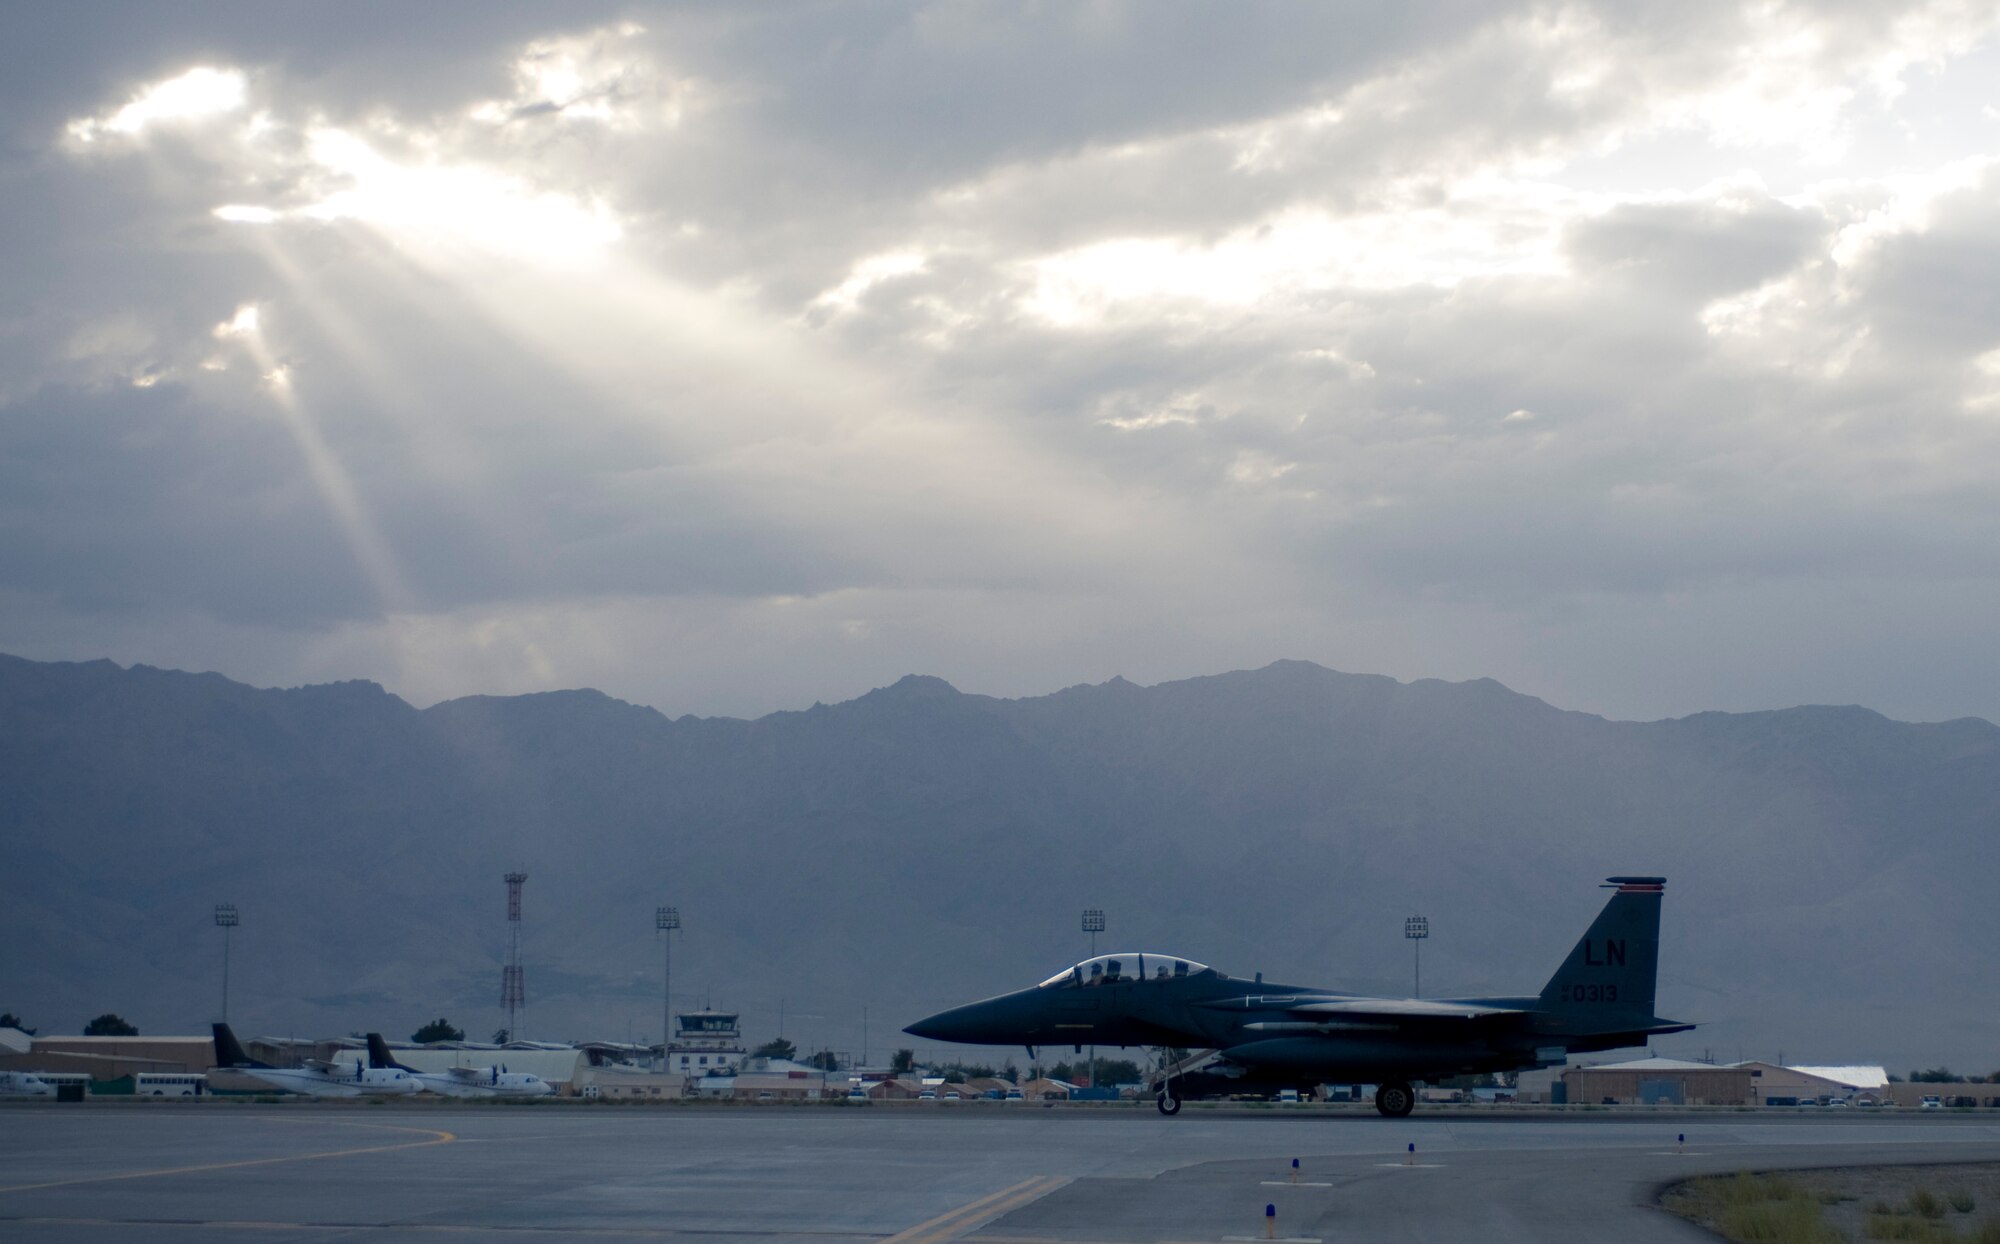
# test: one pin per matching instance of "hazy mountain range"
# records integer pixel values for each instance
(1834, 889)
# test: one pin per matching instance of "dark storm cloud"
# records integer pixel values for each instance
(127, 501)
(1012, 343)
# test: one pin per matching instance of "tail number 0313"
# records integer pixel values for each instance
(1590, 993)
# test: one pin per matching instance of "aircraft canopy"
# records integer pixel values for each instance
(1125, 968)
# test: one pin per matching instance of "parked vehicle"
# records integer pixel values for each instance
(162, 1084)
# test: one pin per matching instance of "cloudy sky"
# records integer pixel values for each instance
(725, 358)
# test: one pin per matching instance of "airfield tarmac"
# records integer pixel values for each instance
(1000, 1174)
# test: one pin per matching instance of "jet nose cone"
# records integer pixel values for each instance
(991, 1022)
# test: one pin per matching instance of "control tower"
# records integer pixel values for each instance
(706, 1043)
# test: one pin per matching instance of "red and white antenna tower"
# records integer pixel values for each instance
(513, 994)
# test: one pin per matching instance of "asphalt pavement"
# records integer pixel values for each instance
(998, 1174)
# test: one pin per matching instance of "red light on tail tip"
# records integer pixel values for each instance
(1637, 885)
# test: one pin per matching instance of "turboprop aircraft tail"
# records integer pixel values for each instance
(229, 1052)
(1607, 982)
(379, 1056)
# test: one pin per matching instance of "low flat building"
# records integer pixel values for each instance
(1775, 1085)
(113, 1058)
(785, 1086)
(633, 1084)
(1865, 1077)
(1658, 1082)
(892, 1090)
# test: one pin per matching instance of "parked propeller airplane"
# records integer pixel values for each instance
(24, 1084)
(317, 1078)
(463, 1081)
(1254, 1036)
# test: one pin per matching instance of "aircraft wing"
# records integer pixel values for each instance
(323, 1067)
(468, 1073)
(1397, 1010)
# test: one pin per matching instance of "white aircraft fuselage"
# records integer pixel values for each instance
(483, 1082)
(24, 1084)
(493, 1081)
(338, 1080)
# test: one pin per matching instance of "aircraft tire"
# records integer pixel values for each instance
(1395, 1099)
(1168, 1104)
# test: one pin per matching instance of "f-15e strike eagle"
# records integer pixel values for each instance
(1257, 1037)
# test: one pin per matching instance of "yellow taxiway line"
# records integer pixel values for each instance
(951, 1225)
(435, 1138)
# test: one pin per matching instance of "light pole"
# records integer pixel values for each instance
(225, 919)
(1093, 924)
(665, 921)
(1417, 928)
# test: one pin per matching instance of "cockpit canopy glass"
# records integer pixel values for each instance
(1122, 969)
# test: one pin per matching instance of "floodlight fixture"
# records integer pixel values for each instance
(1417, 928)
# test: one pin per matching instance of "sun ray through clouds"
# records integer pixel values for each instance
(336, 488)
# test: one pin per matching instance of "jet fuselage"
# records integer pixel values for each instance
(1265, 1035)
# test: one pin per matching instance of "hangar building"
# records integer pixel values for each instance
(1656, 1082)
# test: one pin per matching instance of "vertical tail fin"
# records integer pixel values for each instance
(379, 1056)
(228, 1052)
(1607, 981)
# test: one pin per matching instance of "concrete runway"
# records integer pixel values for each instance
(1004, 1174)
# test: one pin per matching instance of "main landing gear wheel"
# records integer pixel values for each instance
(1169, 1104)
(1395, 1099)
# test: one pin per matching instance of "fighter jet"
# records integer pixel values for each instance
(317, 1078)
(495, 1081)
(1252, 1036)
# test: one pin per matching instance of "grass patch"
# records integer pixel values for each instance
(1782, 1222)
(1908, 1227)
(1932, 1204)
(1757, 1209)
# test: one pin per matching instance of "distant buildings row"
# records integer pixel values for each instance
(707, 1059)
(1674, 1082)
